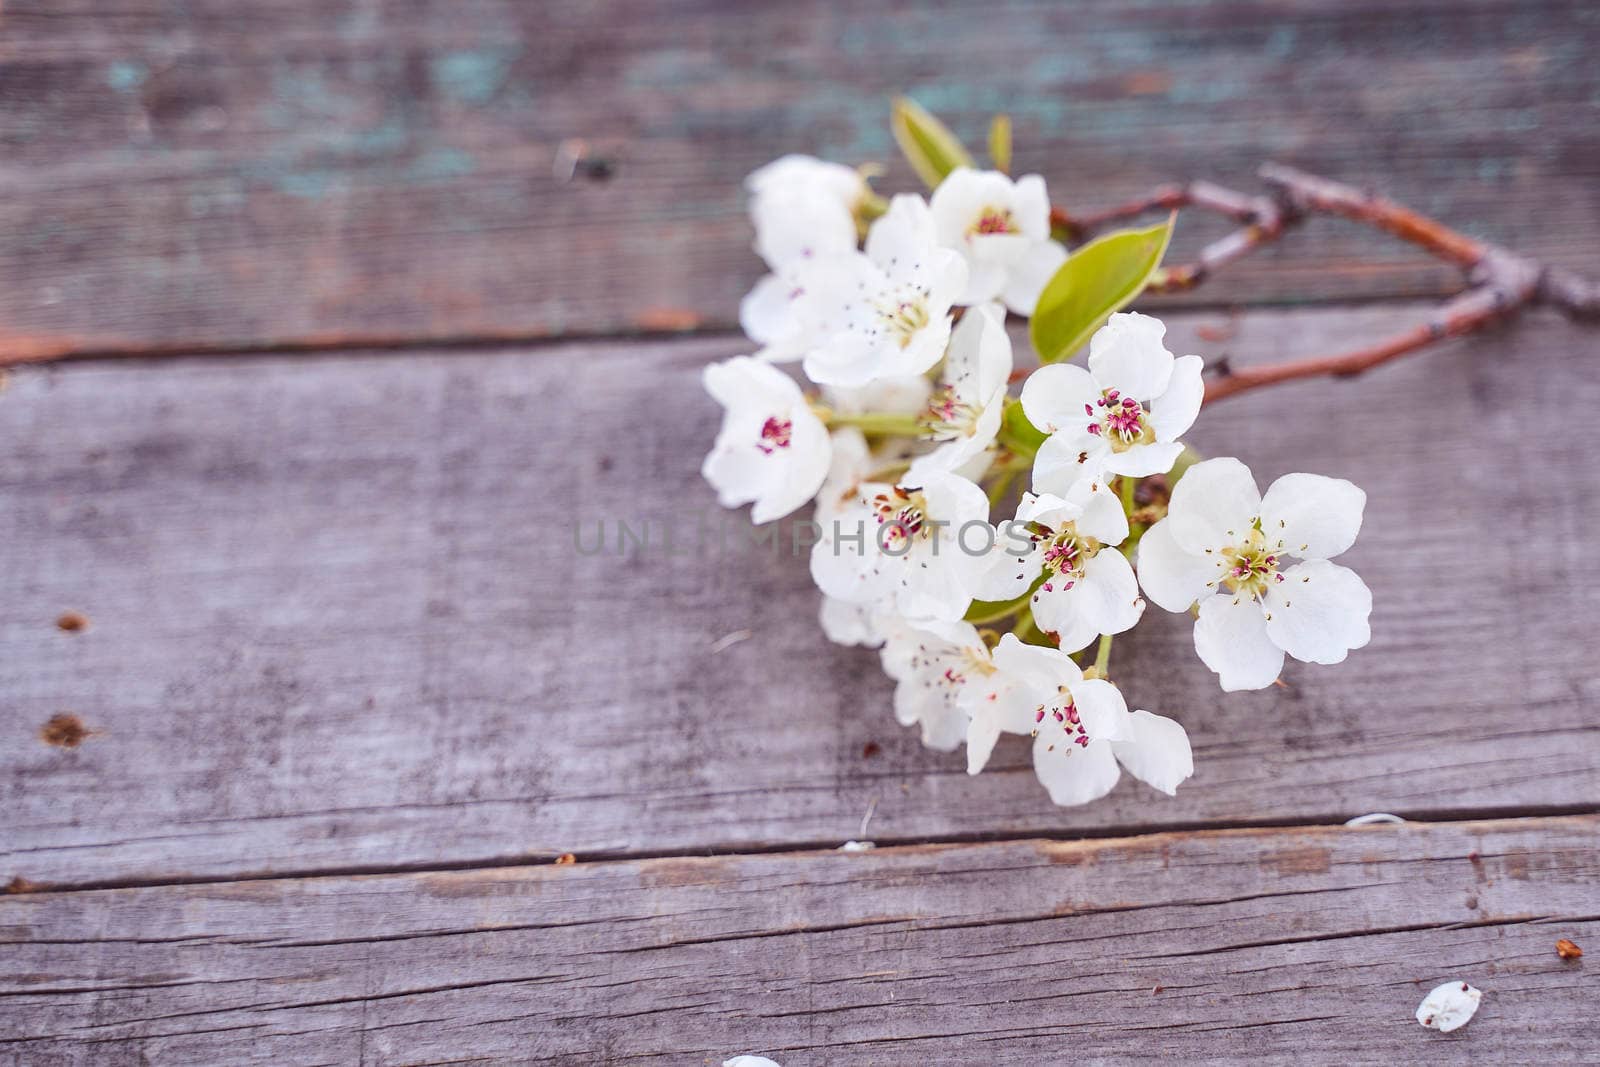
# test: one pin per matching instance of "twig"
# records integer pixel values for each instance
(1501, 283)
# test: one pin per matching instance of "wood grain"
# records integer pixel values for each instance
(337, 618)
(1305, 946)
(333, 172)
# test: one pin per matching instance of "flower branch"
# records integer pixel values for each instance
(1500, 282)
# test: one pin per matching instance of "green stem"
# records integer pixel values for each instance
(1001, 486)
(1128, 487)
(1102, 656)
(874, 422)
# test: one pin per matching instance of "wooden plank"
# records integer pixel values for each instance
(338, 619)
(331, 171)
(1311, 946)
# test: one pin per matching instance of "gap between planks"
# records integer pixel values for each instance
(534, 343)
(1107, 836)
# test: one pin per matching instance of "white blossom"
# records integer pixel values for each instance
(1449, 1006)
(749, 1061)
(963, 415)
(803, 207)
(1002, 228)
(940, 669)
(1089, 587)
(772, 449)
(1231, 549)
(1081, 727)
(1123, 415)
(881, 313)
(899, 547)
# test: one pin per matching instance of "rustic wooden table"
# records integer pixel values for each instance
(351, 362)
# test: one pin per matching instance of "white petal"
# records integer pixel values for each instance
(1030, 207)
(1170, 576)
(1231, 638)
(1067, 458)
(1102, 709)
(1011, 565)
(1126, 354)
(1213, 505)
(1111, 600)
(749, 1061)
(958, 201)
(979, 359)
(1102, 517)
(742, 381)
(1141, 461)
(1028, 277)
(905, 232)
(1319, 612)
(1104, 601)
(1155, 750)
(1449, 1006)
(1036, 666)
(1058, 396)
(842, 565)
(801, 224)
(942, 721)
(767, 313)
(1316, 517)
(797, 471)
(1074, 774)
(845, 623)
(981, 737)
(1174, 411)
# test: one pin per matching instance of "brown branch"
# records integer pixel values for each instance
(1469, 311)
(1502, 282)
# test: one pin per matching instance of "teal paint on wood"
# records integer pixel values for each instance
(472, 76)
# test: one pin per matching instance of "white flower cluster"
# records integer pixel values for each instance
(900, 324)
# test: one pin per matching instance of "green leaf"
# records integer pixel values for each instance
(929, 146)
(1000, 142)
(1098, 279)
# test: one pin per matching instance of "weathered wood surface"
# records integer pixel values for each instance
(1304, 945)
(330, 171)
(338, 620)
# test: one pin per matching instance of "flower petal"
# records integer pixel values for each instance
(1034, 665)
(1449, 1006)
(1315, 516)
(1171, 577)
(903, 233)
(845, 623)
(1213, 505)
(1174, 411)
(1126, 354)
(1031, 207)
(1141, 461)
(1155, 750)
(798, 471)
(1102, 517)
(1104, 601)
(1074, 775)
(1058, 396)
(1319, 612)
(1067, 458)
(1030, 274)
(1102, 708)
(1231, 638)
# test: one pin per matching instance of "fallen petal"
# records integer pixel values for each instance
(1449, 1007)
(1375, 817)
